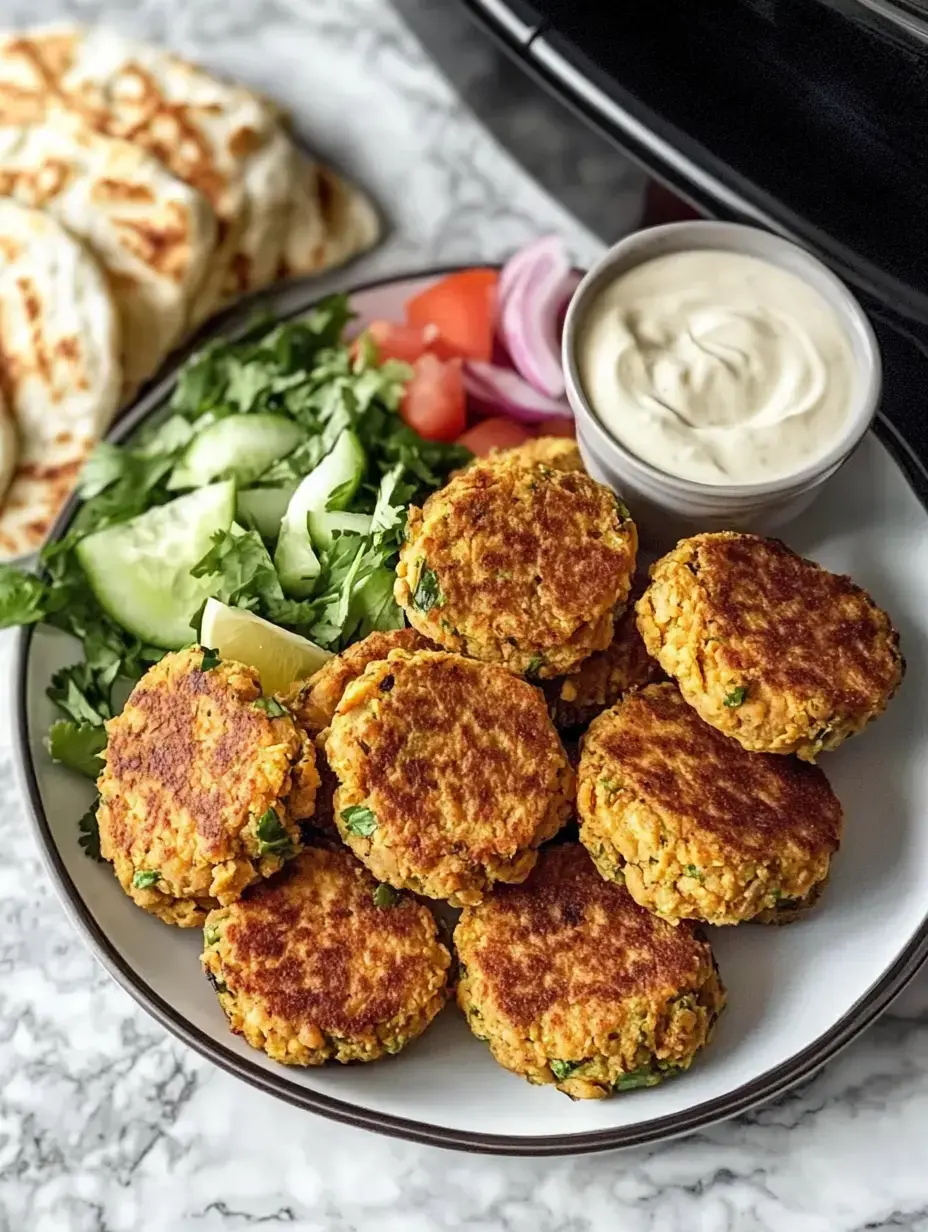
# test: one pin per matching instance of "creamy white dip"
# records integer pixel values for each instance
(717, 367)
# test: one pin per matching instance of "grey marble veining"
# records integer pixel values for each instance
(107, 1124)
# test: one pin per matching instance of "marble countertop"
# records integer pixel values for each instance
(107, 1124)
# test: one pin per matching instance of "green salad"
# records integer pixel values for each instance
(277, 482)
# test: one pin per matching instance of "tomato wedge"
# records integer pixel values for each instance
(403, 342)
(558, 425)
(496, 433)
(434, 403)
(462, 307)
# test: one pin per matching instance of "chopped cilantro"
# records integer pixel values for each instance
(642, 1077)
(535, 664)
(210, 659)
(273, 839)
(692, 871)
(428, 592)
(145, 878)
(271, 706)
(90, 835)
(385, 896)
(359, 820)
(623, 510)
(218, 985)
(77, 746)
(563, 1069)
(736, 697)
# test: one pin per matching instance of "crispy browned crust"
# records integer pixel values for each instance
(461, 766)
(605, 676)
(311, 947)
(531, 563)
(313, 702)
(658, 750)
(567, 937)
(815, 657)
(191, 765)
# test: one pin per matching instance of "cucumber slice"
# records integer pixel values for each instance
(333, 483)
(140, 569)
(239, 447)
(322, 526)
(264, 508)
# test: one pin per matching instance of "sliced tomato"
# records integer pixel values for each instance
(558, 425)
(434, 403)
(403, 342)
(497, 433)
(463, 309)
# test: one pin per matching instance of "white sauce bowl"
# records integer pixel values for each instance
(664, 505)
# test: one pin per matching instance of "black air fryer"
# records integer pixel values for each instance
(809, 117)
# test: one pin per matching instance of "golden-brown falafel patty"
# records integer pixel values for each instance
(571, 982)
(321, 963)
(202, 789)
(520, 564)
(767, 646)
(605, 676)
(313, 702)
(450, 774)
(695, 826)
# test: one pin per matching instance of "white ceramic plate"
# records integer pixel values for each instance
(796, 995)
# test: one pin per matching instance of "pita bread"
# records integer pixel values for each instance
(219, 138)
(31, 65)
(59, 366)
(152, 234)
(330, 222)
(9, 447)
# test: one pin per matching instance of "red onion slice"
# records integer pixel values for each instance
(504, 391)
(532, 289)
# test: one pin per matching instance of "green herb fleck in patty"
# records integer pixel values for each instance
(271, 707)
(359, 820)
(385, 896)
(563, 1069)
(210, 659)
(273, 839)
(428, 592)
(145, 878)
(736, 697)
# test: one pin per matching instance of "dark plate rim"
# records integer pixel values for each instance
(760, 1090)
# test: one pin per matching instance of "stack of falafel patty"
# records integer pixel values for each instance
(308, 834)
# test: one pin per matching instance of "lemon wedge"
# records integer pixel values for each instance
(278, 656)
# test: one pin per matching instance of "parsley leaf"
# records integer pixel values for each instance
(736, 697)
(385, 896)
(428, 592)
(271, 706)
(273, 839)
(637, 1078)
(23, 597)
(90, 834)
(77, 746)
(145, 878)
(563, 1069)
(210, 659)
(359, 820)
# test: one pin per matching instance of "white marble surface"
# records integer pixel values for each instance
(107, 1124)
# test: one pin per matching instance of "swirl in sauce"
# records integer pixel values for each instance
(717, 367)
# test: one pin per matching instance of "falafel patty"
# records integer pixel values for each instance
(767, 646)
(570, 982)
(313, 702)
(519, 563)
(450, 774)
(322, 964)
(558, 451)
(696, 827)
(604, 677)
(203, 788)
